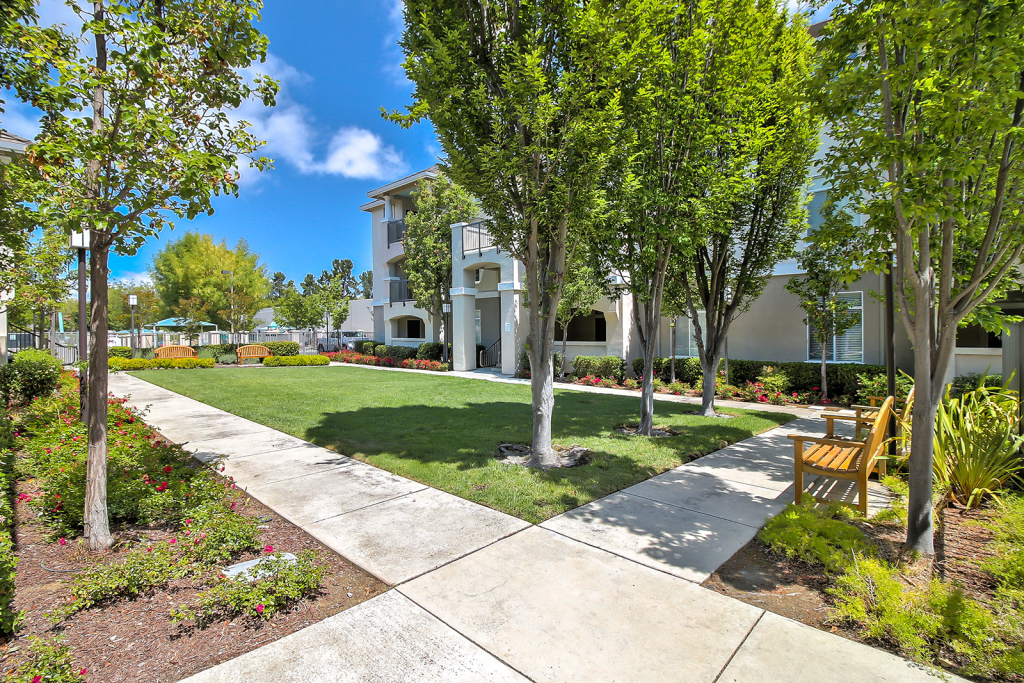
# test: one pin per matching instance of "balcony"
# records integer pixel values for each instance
(400, 291)
(475, 237)
(396, 231)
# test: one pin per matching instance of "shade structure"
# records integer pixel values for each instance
(178, 322)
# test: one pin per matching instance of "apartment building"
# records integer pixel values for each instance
(490, 323)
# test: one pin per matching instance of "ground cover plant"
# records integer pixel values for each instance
(964, 616)
(177, 523)
(444, 431)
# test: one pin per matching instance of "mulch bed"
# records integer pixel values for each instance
(135, 640)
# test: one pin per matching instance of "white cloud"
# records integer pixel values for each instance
(292, 136)
(136, 278)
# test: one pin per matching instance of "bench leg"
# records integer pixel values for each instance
(862, 495)
(798, 474)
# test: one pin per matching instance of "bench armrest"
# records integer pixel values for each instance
(800, 438)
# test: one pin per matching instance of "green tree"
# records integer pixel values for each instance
(278, 283)
(295, 311)
(440, 203)
(156, 80)
(149, 309)
(746, 208)
(924, 104)
(331, 300)
(191, 314)
(827, 273)
(366, 284)
(521, 99)
(341, 274)
(40, 278)
(194, 265)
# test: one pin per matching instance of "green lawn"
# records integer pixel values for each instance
(444, 431)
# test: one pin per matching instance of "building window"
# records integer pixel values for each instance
(847, 347)
(814, 217)
(974, 336)
(479, 328)
(585, 328)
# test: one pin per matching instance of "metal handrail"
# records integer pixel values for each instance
(476, 237)
(491, 356)
(400, 291)
(396, 231)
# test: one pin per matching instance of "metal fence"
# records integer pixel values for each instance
(22, 339)
(491, 356)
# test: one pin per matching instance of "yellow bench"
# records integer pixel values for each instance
(175, 351)
(841, 459)
(253, 351)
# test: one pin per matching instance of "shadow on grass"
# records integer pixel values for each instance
(425, 440)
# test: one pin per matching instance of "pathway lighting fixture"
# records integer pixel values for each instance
(232, 274)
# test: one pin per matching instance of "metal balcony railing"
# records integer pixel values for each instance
(20, 339)
(400, 291)
(475, 237)
(396, 231)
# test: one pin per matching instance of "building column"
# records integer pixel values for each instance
(513, 331)
(464, 324)
(389, 210)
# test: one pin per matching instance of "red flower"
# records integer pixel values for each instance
(37, 679)
(82, 672)
(168, 468)
(162, 486)
(173, 541)
(63, 541)
(269, 548)
(259, 608)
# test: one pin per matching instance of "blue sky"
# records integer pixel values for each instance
(338, 63)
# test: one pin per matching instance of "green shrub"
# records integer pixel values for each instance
(973, 380)
(814, 536)
(33, 373)
(843, 378)
(605, 367)
(877, 384)
(397, 353)
(120, 352)
(977, 443)
(279, 583)
(9, 618)
(364, 346)
(430, 351)
(129, 364)
(283, 348)
(49, 661)
(206, 353)
(1007, 565)
(219, 349)
(774, 380)
(294, 361)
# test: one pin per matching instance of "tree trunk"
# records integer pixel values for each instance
(542, 390)
(710, 369)
(824, 373)
(672, 376)
(922, 445)
(96, 521)
(565, 343)
(646, 427)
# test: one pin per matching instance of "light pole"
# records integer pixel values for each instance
(80, 242)
(232, 274)
(133, 301)
(446, 310)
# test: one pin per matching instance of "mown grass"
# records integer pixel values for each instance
(444, 431)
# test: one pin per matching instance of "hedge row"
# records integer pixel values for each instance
(120, 352)
(292, 361)
(605, 367)
(158, 363)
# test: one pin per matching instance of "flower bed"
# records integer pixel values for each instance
(753, 392)
(176, 523)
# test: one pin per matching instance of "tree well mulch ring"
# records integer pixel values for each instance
(568, 456)
(629, 429)
(135, 639)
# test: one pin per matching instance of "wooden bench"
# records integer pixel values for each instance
(175, 351)
(841, 459)
(253, 351)
(869, 411)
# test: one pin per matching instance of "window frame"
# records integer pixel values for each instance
(808, 340)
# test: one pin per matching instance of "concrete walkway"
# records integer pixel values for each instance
(606, 592)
